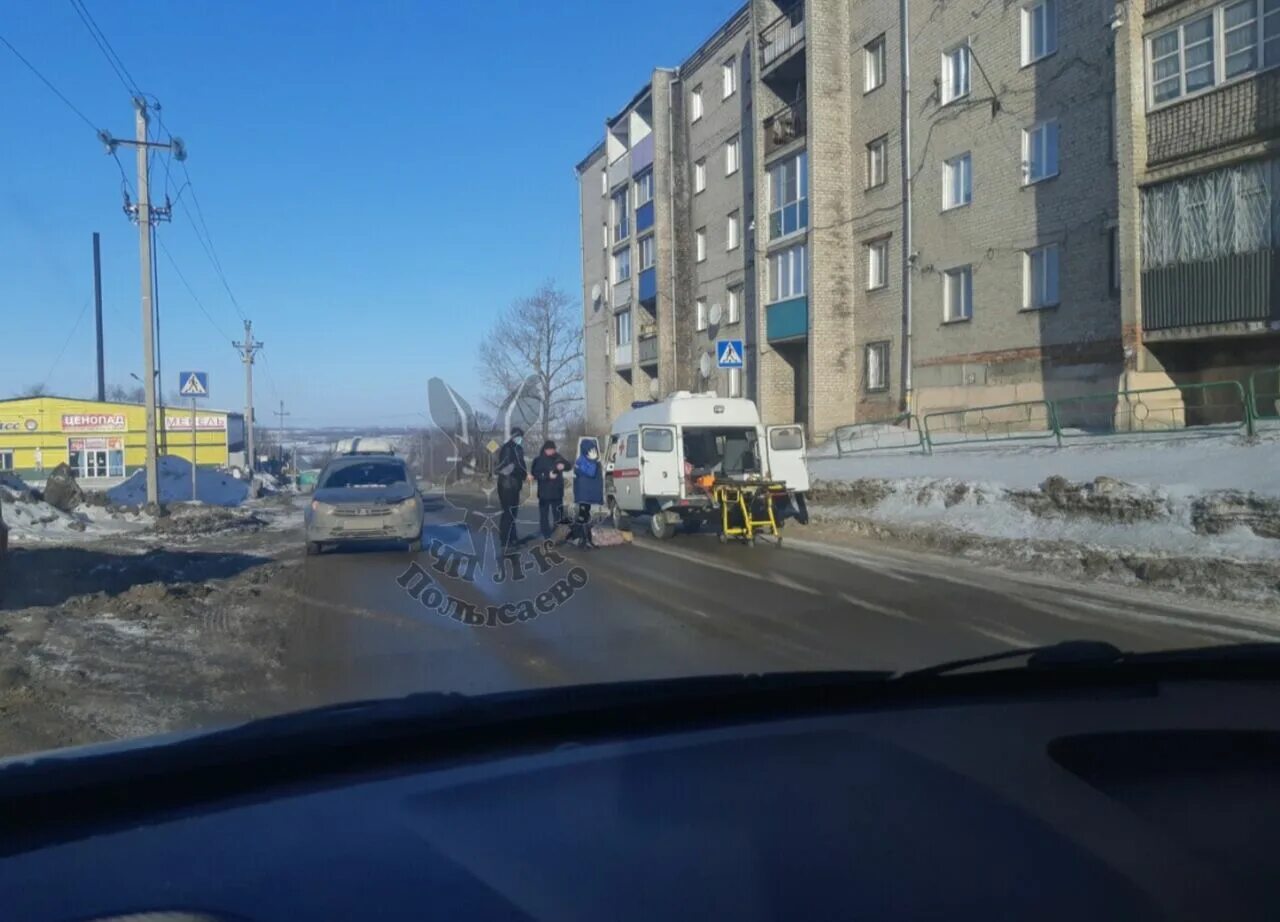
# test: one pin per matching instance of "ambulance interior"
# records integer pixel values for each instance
(721, 452)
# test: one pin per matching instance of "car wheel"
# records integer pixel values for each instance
(617, 515)
(415, 546)
(313, 548)
(662, 526)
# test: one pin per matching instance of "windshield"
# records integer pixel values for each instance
(311, 314)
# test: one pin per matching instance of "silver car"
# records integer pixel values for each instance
(366, 497)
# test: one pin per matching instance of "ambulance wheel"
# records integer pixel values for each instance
(617, 515)
(661, 525)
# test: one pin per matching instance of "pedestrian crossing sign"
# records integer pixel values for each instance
(729, 353)
(193, 383)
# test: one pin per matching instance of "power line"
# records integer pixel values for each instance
(66, 342)
(48, 83)
(206, 240)
(104, 45)
(194, 297)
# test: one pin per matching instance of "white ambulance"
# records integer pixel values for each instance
(657, 452)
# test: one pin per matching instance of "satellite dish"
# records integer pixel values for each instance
(653, 388)
(716, 313)
(704, 364)
(595, 293)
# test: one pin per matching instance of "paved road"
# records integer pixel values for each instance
(694, 606)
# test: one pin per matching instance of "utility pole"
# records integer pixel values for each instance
(97, 311)
(247, 350)
(904, 162)
(145, 213)
(282, 414)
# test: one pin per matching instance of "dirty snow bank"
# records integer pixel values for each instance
(214, 488)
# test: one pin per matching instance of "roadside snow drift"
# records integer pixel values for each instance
(212, 487)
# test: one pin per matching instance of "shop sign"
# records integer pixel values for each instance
(204, 423)
(93, 422)
(18, 425)
(95, 444)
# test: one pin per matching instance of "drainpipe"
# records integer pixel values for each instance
(908, 254)
(586, 317)
(674, 73)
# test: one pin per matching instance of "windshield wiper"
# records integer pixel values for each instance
(1053, 656)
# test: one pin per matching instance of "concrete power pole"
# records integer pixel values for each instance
(247, 350)
(145, 214)
(282, 414)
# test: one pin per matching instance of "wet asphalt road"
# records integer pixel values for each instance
(692, 606)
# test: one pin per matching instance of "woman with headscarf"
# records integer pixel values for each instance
(588, 489)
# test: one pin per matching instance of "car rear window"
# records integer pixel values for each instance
(366, 474)
(658, 440)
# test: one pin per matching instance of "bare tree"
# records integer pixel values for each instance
(121, 394)
(541, 337)
(34, 390)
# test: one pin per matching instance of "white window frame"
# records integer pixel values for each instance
(873, 64)
(604, 182)
(878, 157)
(794, 196)
(963, 311)
(1048, 128)
(1261, 21)
(733, 230)
(700, 314)
(695, 103)
(621, 325)
(1049, 8)
(619, 257)
(648, 244)
(700, 244)
(882, 349)
(641, 185)
(604, 232)
(733, 155)
(700, 176)
(621, 199)
(1044, 291)
(733, 304)
(729, 76)
(957, 181)
(950, 90)
(796, 259)
(877, 264)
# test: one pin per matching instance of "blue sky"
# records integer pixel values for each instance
(379, 180)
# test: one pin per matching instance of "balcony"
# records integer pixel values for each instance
(644, 217)
(622, 293)
(781, 36)
(784, 126)
(648, 285)
(622, 356)
(1231, 289)
(642, 155)
(787, 321)
(1237, 113)
(649, 348)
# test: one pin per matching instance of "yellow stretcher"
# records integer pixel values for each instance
(741, 499)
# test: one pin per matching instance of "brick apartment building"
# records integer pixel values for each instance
(1058, 166)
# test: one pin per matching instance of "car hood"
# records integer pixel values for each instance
(364, 495)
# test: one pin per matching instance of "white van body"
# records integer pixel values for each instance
(645, 452)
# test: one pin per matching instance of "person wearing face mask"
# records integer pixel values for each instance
(548, 470)
(512, 473)
(588, 490)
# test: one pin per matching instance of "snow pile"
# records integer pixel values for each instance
(30, 518)
(214, 488)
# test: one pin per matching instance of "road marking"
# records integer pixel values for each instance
(1000, 637)
(881, 609)
(866, 561)
(703, 560)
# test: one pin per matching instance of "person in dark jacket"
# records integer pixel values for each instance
(512, 473)
(548, 470)
(588, 489)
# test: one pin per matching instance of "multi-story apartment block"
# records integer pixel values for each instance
(1198, 129)
(1085, 202)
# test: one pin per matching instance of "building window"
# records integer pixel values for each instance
(873, 64)
(1226, 42)
(788, 273)
(646, 253)
(957, 294)
(1113, 241)
(1040, 152)
(695, 103)
(644, 188)
(700, 243)
(732, 155)
(876, 365)
(789, 196)
(877, 160)
(6, 459)
(604, 182)
(957, 181)
(622, 327)
(877, 264)
(1039, 30)
(700, 175)
(621, 212)
(604, 234)
(700, 314)
(729, 76)
(622, 265)
(955, 73)
(735, 382)
(733, 231)
(734, 313)
(1040, 277)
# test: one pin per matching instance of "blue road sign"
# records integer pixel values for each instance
(729, 353)
(193, 383)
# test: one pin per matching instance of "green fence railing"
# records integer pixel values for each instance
(1264, 398)
(1028, 420)
(1179, 409)
(901, 431)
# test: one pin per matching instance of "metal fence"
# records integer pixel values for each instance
(1028, 420)
(902, 431)
(1185, 409)
(1264, 398)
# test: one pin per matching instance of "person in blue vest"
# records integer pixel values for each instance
(588, 490)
